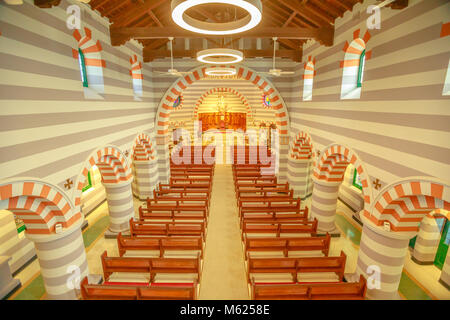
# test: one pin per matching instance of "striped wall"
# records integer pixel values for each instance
(399, 125)
(48, 124)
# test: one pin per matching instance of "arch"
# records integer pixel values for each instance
(113, 166)
(308, 78)
(136, 77)
(39, 204)
(231, 90)
(143, 148)
(164, 108)
(351, 65)
(406, 202)
(332, 164)
(301, 146)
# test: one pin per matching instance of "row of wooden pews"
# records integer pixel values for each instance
(162, 258)
(285, 259)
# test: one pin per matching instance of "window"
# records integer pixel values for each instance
(446, 90)
(362, 62)
(266, 101)
(308, 78)
(357, 180)
(87, 183)
(83, 72)
(20, 225)
(177, 102)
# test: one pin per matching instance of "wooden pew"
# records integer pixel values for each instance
(277, 228)
(184, 186)
(285, 245)
(273, 213)
(181, 212)
(161, 244)
(181, 197)
(177, 201)
(119, 292)
(294, 266)
(152, 266)
(189, 181)
(185, 193)
(316, 291)
(262, 191)
(270, 202)
(161, 228)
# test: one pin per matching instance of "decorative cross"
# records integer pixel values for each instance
(127, 153)
(377, 184)
(318, 152)
(68, 184)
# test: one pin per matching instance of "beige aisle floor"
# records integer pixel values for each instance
(224, 275)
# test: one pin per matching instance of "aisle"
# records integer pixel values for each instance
(224, 275)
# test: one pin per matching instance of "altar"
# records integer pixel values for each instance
(223, 121)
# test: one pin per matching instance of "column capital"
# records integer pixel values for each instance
(325, 182)
(118, 184)
(55, 236)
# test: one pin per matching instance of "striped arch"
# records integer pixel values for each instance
(355, 48)
(165, 106)
(406, 202)
(332, 164)
(308, 78)
(143, 148)
(39, 204)
(301, 147)
(113, 166)
(90, 49)
(136, 76)
(231, 90)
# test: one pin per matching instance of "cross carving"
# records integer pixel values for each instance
(68, 184)
(377, 184)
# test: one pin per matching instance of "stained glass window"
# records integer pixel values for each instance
(177, 102)
(266, 101)
(357, 180)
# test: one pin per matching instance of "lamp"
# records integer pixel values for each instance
(220, 71)
(253, 7)
(220, 56)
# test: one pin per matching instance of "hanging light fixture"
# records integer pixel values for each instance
(253, 7)
(220, 71)
(220, 56)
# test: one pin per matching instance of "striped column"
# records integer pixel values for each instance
(162, 147)
(323, 204)
(445, 274)
(427, 241)
(298, 175)
(63, 263)
(146, 177)
(120, 203)
(380, 259)
(282, 162)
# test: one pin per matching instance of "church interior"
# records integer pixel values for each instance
(224, 150)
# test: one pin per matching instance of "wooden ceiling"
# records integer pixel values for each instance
(292, 21)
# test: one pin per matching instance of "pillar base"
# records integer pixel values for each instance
(335, 233)
(113, 234)
(444, 284)
(8, 283)
(423, 263)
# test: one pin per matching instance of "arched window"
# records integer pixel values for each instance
(446, 90)
(362, 62)
(308, 79)
(87, 183)
(82, 63)
(357, 180)
(266, 101)
(136, 77)
(177, 102)
(353, 68)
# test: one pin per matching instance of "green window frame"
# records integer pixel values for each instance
(362, 61)
(89, 185)
(355, 183)
(82, 63)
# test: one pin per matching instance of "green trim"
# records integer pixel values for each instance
(355, 184)
(441, 253)
(82, 62)
(362, 60)
(21, 228)
(89, 185)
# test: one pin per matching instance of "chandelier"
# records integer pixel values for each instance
(220, 71)
(252, 19)
(220, 56)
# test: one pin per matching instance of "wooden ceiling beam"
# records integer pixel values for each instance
(120, 35)
(45, 4)
(342, 4)
(150, 54)
(328, 7)
(136, 12)
(300, 10)
(97, 4)
(155, 18)
(115, 6)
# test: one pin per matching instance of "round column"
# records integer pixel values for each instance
(162, 147)
(445, 274)
(146, 177)
(63, 263)
(120, 203)
(298, 173)
(427, 241)
(381, 258)
(323, 204)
